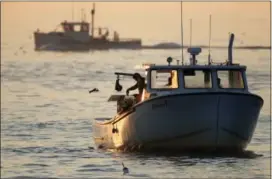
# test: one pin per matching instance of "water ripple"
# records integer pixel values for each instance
(47, 113)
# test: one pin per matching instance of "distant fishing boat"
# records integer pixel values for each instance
(75, 36)
(204, 108)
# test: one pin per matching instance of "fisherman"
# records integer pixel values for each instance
(140, 84)
(115, 36)
(104, 37)
(170, 80)
(219, 83)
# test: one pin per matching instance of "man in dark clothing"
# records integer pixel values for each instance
(140, 84)
(169, 80)
(219, 83)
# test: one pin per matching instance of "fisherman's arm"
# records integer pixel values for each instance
(132, 88)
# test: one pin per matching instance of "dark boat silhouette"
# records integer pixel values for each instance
(75, 36)
(84, 36)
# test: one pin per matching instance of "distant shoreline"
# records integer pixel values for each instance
(158, 46)
(204, 47)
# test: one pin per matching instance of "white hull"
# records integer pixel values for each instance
(184, 121)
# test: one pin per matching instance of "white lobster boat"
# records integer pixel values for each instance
(206, 107)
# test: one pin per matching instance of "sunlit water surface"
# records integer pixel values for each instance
(47, 115)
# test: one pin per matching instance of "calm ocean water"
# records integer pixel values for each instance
(47, 115)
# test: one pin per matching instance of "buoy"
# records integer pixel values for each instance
(125, 169)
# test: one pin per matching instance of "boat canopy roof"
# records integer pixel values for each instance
(74, 23)
(197, 67)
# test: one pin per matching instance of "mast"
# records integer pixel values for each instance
(210, 34)
(82, 14)
(190, 32)
(182, 57)
(73, 11)
(93, 12)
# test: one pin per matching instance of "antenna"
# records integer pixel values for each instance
(93, 12)
(73, 10)
(190, 32)
(82, 14)
(181, 33)
(210, 34)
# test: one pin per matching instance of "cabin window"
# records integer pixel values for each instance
(164, 79)
(77, 28)
(197, 78)
(230, 79)
(71, 28)
(84, 28)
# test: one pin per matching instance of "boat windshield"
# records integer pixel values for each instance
(230, 79)
(164, 79)
(197, 78)
(75, 27)
(206, 78)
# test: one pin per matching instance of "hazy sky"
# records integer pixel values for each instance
(151, 21)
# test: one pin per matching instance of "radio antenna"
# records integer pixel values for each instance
(210, 34)
(182, 62)
(191, 33)
(72, 10)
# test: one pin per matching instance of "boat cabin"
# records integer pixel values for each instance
(192, 78)
(169, 78)
(75, 26)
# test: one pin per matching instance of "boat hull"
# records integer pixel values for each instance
(59, 42)
(197, 121)
(79, 42)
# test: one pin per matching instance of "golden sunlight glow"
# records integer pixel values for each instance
(151, 21)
